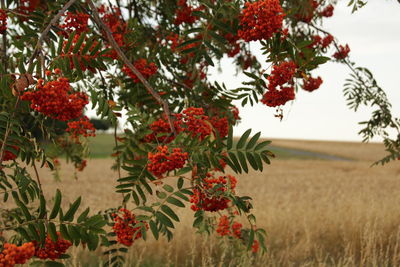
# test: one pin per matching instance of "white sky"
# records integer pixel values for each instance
(373, 34)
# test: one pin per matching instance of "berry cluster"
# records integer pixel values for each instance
(8, 155)
(75, 22)
(184, 13)
(281, 74)
(226, 229)
(124, 227)
(210, 196)
(146, 69)
(3, 21)
(52, 250)
(310, 84)
(274, 98)
(80, 166)
(342, 53)
(220, 125)
(327, 11)
(164, 161)
(81, 127)
(233, 229)
(55, 99)
(117, 25)
(26, 7)
(162, 131)
(318, 41)
(13, 254)
(260, 20)
(196, 122)
(235, 113)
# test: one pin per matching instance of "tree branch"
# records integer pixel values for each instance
(126, 61)
(47, 29)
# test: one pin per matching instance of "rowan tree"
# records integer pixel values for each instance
(151, 60)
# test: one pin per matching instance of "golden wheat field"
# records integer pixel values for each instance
(316, 212)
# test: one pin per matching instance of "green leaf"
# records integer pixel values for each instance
(180, 183)
(243, 139)
(154, 230)
(251, 239)
(175, 202)
(69, 42)
(262, 145)
(52, 231)
(69, 215)
(164, 219)
(230, 137)
(167, 210)
(253, 141)
(168, 188)
(42, 208)
(83, 215)
(56, 206)
(78, 43)
(22, 206)
(243, 162)
(60, 45)
(77, 66)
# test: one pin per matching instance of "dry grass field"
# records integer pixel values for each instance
(316, 212)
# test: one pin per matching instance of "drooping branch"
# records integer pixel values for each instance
(126, 61)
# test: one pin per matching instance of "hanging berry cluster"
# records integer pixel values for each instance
(230, 228)
(8, 155)
(327, 11)
(56, 99)
(281, 74)
(210, 195)
(75, 22)
(310, 84)
(184, 13)
(342, 53)
(192, 121)
(26, 7)
(145, 68)
(13, 254)
(124, 227)
(225, 228)
(52, 250)
(164, 161)
(3, 21)
(196, 122)
(81, 127)
(319, 42)
(260, 20)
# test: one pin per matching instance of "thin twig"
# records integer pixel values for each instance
(126, 61)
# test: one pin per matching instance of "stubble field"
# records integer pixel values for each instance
(316, 212)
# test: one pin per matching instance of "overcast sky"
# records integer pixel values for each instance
(373, 34)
